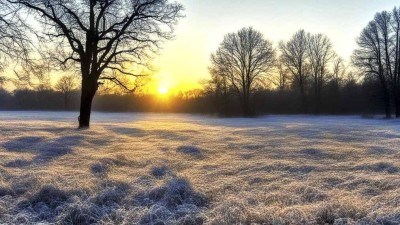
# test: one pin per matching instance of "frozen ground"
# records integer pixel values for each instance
(181, 169)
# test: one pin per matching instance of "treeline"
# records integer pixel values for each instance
(309, 75)
(349, 98)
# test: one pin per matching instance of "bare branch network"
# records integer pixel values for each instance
(103, 37)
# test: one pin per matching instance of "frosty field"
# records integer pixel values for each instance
(183, 169)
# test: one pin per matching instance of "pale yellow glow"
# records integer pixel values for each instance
(162, 90)
(182, 62)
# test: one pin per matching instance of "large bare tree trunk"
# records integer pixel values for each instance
(246, 102)
(89, 88)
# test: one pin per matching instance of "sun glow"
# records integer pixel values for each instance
(163, 90)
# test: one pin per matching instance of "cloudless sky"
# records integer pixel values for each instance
(184, 61)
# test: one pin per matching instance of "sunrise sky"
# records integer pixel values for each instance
(183, 62)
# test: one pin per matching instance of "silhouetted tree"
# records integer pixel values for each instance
(243, 58)
(395, 23)
(103, 38)
(66, 85)
(282, 78)
(339, 71)
(320, 54)
(336, 81)
(378, 55)
(294, 58)
(218, 85)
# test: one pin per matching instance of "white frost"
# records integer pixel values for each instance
(185, 169)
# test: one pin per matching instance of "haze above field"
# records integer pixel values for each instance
(184, 61)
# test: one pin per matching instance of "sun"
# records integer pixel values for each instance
(163, 90)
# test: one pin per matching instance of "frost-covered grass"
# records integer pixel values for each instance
(181, 169)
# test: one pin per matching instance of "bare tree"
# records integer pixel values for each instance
(395, 42)
(219, 86)
(320, 54)
(244, 58)
(282, 77)
(66, 85)
(339, 71)
(369, 58)
(103, 38)
(294, 58)
(378, 55)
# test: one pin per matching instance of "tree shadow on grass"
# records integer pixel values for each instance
(52, 204)
(132, 132)
(191, 151)
(381, 151)
(22, 144)
(313, 153)
(45, 149)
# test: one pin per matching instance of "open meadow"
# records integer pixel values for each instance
(185, 169)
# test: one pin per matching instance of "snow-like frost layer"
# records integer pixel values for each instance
(185, 169)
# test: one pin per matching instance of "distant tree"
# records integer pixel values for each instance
(218, 85)
(190, 94)
(294, 58)
(66, 85)
(105, 39)
(339, 71)
(320, 54)
(244, 59)
(378, 55)
(283, 77)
